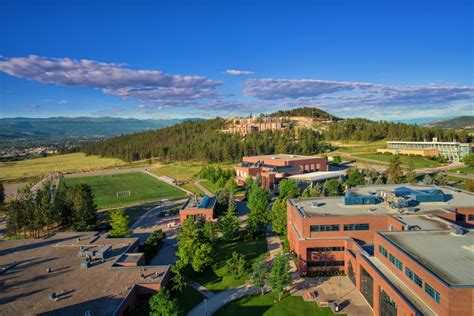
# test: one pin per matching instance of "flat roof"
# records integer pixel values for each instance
(283, 157)
(424, 222)
(318, 175)
(456, 197)
(333, 206)
(427, 143)
(448, 256)
(207, 202)
(100, 289)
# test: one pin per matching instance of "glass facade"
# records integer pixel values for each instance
(367, 286)
(388, 307)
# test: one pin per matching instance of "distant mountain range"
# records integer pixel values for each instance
(57, 130)
(460, 122)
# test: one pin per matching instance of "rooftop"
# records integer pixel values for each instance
(333, 206)
(206, 202)
(25, 286)
(424, 222)
(448, 256)
(282, 157)
(318, 176)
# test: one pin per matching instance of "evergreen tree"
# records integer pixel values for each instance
(440, 179)
(161, 304)
(84, 208)
(235, 266)
(355, 178)
(411, 175)
(202, 257)
(258, 273)
(427, 179)
(229, 224)
(278, 215)
(331, 188)
(394, 170)
(258, 216)
(210, 232)
(280, 274)
(119, 222)
(287, 188)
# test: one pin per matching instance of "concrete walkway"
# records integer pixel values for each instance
(212, 304)
(203, 189)
(176, 186)
(200, 288)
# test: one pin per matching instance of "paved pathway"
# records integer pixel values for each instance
(201, 288)
(203, 189)
(212, 304)
(176, 186)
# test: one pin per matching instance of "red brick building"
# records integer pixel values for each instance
(389, 240)
(273, 168)
(203, 209)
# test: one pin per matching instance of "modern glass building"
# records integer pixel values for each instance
(453, 151)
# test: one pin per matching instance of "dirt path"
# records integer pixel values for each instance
(203, 189)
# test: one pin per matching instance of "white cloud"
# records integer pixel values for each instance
(235, 72)
(148, 85)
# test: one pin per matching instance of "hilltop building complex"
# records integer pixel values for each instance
(408, 249)
(272, 168)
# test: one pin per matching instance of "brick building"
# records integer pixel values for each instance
(195, 209)
(273, 168)
(406, 250)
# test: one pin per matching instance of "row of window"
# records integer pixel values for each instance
(325, 263)
(325, 249)
(411, 275)
(395, 262)
(356, 226)
(470, 217)
(336, 227)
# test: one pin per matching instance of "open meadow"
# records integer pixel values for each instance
(418, 161)
(58, 163)
(115, 190)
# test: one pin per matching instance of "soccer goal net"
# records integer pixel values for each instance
(123, 193)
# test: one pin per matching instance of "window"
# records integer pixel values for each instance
(396, 262)
(414, 277)
(432, 292)
(387, 305)
(470, 217)
(383, 251)
(356, 226)
(325, 263)
(324, 228)
(325, 249)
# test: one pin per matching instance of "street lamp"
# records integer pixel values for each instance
(205, 307)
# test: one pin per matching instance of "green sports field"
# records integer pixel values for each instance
(143, 188)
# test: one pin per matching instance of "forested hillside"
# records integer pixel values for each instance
(456, 123)
(203, 141)
(362, 129)
(306, 111)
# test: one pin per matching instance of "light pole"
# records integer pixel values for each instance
(205, 307)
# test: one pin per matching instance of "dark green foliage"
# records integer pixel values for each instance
(394, 170)
(194, 248)
(280, 274)
(153, 244)
(469, 160)
(355, 178)
(161, 304)
(83, 207)
(2, 194)
(229, 223)
(307, 112)
(259, 215)
(235, 266)
(363, 129)
(332, 187)
(203, 141)
(258, 273)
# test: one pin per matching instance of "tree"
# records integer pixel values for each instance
(427, 179)
(278, 213)
(210, 232)
(440, 179)
(470, 185)
(336, 160)
(2, 194)
(178, 281)
(469, 160)
(119, 222)
(287, 188)
(280, 274)
(202, 257)
(411, 175)
(189, 236)
(236, 266)
(258, 216)
(161, 304)
(355, 178)
(258, 273)
(331, 188)
(229, 224)
(83, 208)
(394, 170)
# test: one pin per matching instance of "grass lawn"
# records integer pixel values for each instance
(188, 299)
(357, 146)
(61, 163)
(185, 171)
(214, 278)
(193, 188)
(419, 162)
(143, 188)
(463, 170)
(212, 187)
(269, 305)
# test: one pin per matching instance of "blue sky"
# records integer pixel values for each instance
(394, 60)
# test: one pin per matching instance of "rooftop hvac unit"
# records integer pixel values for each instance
(315, 204)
